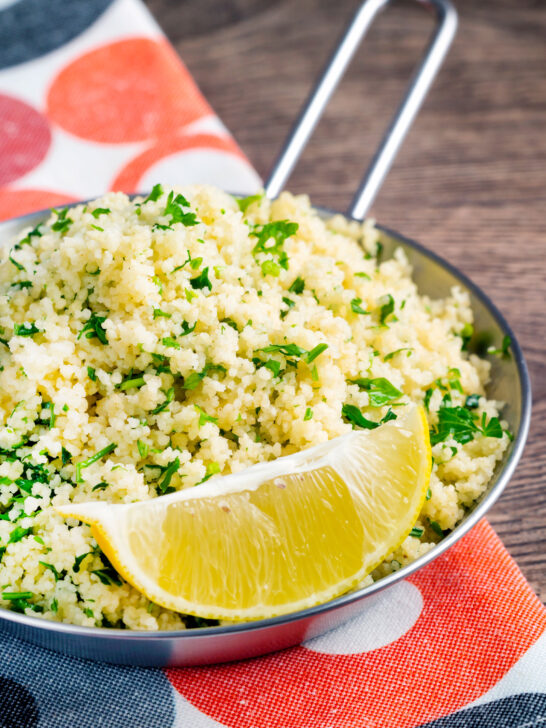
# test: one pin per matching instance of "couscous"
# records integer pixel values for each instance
(150, 344)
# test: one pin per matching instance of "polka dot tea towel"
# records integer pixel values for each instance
(93, 98)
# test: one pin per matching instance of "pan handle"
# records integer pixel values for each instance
(446, 25)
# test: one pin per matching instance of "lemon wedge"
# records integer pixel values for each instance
(277, 537)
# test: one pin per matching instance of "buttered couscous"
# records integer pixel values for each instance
(150, 344)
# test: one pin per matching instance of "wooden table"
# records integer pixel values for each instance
(470, 181)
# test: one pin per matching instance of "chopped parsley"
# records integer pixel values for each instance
(22, 284)
(466, 334)
(316, 351)
(204, 417)
(436, 528)
(16, 263)
(297, 286)
(202, 280)
(353, 415)
(169, 342)
(245, 202)
(94, 329)
(52, 569)
(271, 239)
(107, 576)
(175, 209)
(273, 365)
(308, 414)
(63, 222)
(91, 373)
(18, 533)
(392, 354)
(169, 396)
(187, 329)
(357, 308)
(472, 401)
(93, 459)
(417, 532)
(155, 194)
(100, 211)
(131, 383)
(289, 304)
(386, 308)
(462, 425)
(158, 313)
(504, 350)
(170, 470)
(26, 329)
(380, 390)
(66, 456)
(52, 416)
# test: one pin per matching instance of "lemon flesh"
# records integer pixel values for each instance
(277, 537)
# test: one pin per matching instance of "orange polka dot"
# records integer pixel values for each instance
(128, 179)
(20, 202)
(127, 91)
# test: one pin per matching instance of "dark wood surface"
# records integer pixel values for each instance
(470, 181)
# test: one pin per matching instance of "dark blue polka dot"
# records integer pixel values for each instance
(31, 28)
(515, 711)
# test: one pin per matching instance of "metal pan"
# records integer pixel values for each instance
(434, 277)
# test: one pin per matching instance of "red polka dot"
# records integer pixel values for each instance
(20, 202)
(128, 179)
(126, 91)
(24, 138)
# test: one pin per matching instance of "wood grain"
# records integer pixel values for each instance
(470, 181)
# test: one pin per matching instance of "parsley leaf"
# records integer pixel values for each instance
(94, 329)
(93, 459)
(308, 414)
(504, 350)
(386, 308)
(63, 222)
(52, 569)
(457, 422)
(204, 417)
(155, 194)
(245, 202)
(168, 473)
(100, 211)
(174, 208)
(314, 353)
(356, 418)
(380, 390)
(169, 396)
(297, 286)
(186, 328)
(202, 280)
(26, 329)
(271, 239)
(356, 307)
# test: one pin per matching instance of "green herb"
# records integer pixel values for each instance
(271, 239)
(363, 275)
(314, 353)
(158, 313)
(15, 263)
(297, 286)
(100, 486)
(52, 416)
(308, 414)
(457, 422)
(187, 329)
(155, 194)
(39, 540)
(159, 285)
(270, 268)
(380, 390)
(436, 528)
(169, 396)
(292, 350)
(202, 280)
(93, 459)
(190, 295)
(230, 436)
(426, 400)
(472, 401)
(89, 613)
(314, 373)
(229, 322)
(66, 456)
(131, 383)
(357, 308)
(96, 227)
(245, 202)
(65, 408)
(100, 211)
(204, 417)
(416, 532)
(504, 350)
(171, 469)
(10, 596)
(428, 495)
(26, 329)
(91, 373)
(271, 364)
(107, 576)
(210, 470)
(386, 308)
(54, 606)
(170, 342)
(63, 222)
(94, 329)
(174, 208)
(391, 354)
(466, 334)
(36, 232)
(22, 284)
(289, 304)
(356, 418)
(52, 569)
(142, 448)
(18, 533)
(388, 417)
(492, 428)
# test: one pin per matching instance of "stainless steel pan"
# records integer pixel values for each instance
(434, 277)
